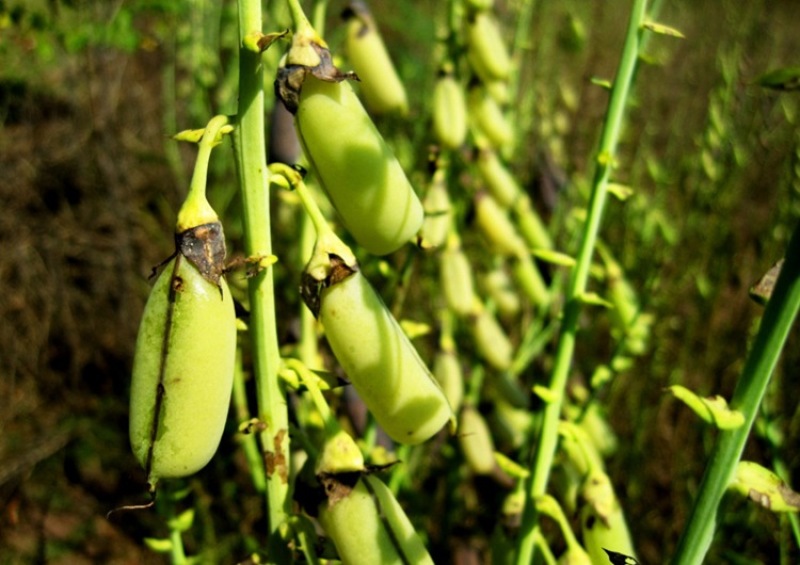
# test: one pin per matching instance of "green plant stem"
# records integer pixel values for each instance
(548, 432)
(254, 182)
(779, 315)
(249, 443)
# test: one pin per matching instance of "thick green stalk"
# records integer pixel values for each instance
(254, 182)
(548, 432)
(779, 315)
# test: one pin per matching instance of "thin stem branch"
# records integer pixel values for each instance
(548, 432)
(254, 180)
(780, 313)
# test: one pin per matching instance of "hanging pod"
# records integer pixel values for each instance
(376, 355)
(488, 118)
(449, 112)
(184, 360)
(367, 524)
(185, 352)
(486, 51)
(476, 441)
(382, 88)
(456, 277)
(355, 166)
(490, 339)
(438, 213)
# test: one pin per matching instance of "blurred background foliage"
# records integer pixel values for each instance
(90, 91)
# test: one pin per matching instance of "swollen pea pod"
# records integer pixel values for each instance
(378, 358)
(356, 168)
(438, 213)
(603, 521)
(383, 90)
(486, 51)
(490, 339)
(367, 524)
(488, 117)
(456, 277)
(476, 441)
(185, 350)
(447, 370)
(449, 112)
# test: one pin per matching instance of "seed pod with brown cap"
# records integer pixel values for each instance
(376, 355)
(355, 166)
(382, 88)
(185, 351)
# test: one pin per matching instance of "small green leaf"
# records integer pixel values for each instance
(764, 487)
(510, 466)
(190, 135)
(713, 410)
(595, 300)
(787, 78)
(183, 521)
(159, 545)
(554, 257)
(662, 29)
(415, 329)
(621, 191)
(601, 82)
(544, 393)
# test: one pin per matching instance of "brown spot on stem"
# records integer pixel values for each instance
(276, 461)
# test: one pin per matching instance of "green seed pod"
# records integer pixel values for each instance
(447, 371)
(476, 441)
(490, 339)
(499, 289)
(486, 51)
(382, 89)
(602, 520)
(357, 169)
(510, 424)
(499, 180)
(183, 364)
(376, 355)
(488, 117)
(529, 280)
(367, 524)
(530, 224)
(456, 276)
(449, 112)
(438, 213)
(497, 228)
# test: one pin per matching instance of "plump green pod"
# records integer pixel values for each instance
(182, 383)
(488, 117)
(382, 88)
(368, 525)
(447, 371)
(457, 284)
(358, 171)
(449, 112)
(486, 51)
(530, 224)
(491, 341)
(476, 441)
(381, 362)
(438, 214)
(499, 180)
(499, 289)
(495, 225)
(529, 280)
